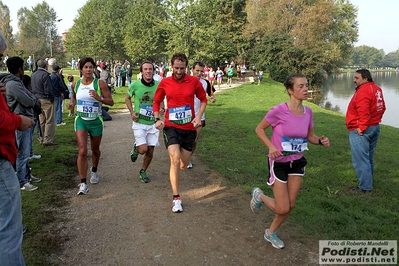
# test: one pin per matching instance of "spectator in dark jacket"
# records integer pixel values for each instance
(43, 89)
(59, 92)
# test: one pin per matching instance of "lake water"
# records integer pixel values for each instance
(337, 90)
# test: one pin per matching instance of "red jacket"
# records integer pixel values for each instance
(366, 107)
(178, 94)
(9, 122)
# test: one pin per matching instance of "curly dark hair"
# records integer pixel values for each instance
(179, 56)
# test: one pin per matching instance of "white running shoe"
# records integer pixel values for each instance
(83, 189)
(177, 206)
(35, 156)
(273, 239)
(28, 187)
(94, 179)
(189, 165)
(34, 179)
(256, 202)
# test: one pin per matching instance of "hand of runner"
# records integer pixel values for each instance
(135, 116)
(325, 141)
(159, 124)
(196, 123)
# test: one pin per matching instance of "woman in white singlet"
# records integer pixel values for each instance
(89, 94)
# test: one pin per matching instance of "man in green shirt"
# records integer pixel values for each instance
(145, 134)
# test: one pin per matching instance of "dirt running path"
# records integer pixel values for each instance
(125, 222)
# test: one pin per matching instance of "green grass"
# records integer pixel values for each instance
(325, 208)
(42, 208)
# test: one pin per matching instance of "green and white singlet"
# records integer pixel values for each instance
(87, 107)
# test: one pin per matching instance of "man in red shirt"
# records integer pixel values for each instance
(363, 117)
(179, 128)
(10, 197)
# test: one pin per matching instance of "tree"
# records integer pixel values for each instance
(5, 27)
(367, 56)
(180, 25)
(100, 35)
(392, 59)
(145, 34)
(321, 32)
(38, 31)
(209, 31)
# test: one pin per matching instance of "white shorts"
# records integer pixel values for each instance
(145, 134)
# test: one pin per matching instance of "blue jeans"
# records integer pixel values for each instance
(129, 81)
(10, 216)
(119, 81)
(24, 141)
(363, 148)
(32, 130)
(58, 109)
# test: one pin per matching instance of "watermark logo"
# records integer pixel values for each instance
(358, 252)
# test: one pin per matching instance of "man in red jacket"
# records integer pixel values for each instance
(10, 197)
(180, 118)
(363, 117)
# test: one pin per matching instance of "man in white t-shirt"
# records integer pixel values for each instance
(198, 71)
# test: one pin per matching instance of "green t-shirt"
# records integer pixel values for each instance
(143, 101)
(230, 71)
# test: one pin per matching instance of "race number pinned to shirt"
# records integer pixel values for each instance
(87, 109)
(180, 115)
(146, 112)
(294, 145)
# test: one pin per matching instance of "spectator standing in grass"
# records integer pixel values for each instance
(10, 195)
(180, 119)
(30, 62)
(363, 118)
(43, 89)
(51, 61)
(260, 77)
(145, 134)
(73, 64)
(89, 94)
(37, 109)
(123, 75)
(69, 85)
(292, 130)
(105, 76)
(59, 94)
(118, 75)
(20, 101)
(129, 73)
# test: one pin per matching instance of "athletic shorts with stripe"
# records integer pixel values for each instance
(94, 127)
(281, 171)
